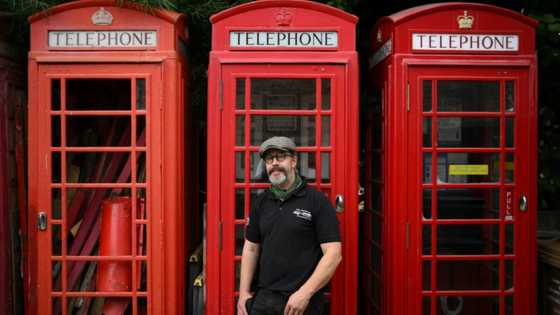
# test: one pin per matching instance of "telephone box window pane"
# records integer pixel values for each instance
(56, 204)
(56, 167)
(98, 94)
(92, 131)
(509, 168)
(326, 131)
(510, 96)
(468, 239)
(510, 132)
(326, 93)
(239, 238)
(426, 239)
(463, 168)
(240, 93)
(509, 305)
(427, 95)
(468, 96)
(300, 128)
(468, 305)
(426, 275)
(240, 130)
(509, 239)
(98, 167)
(468, 203)
(55, 94)
(258, 169)
(239, 167)
(141, 131)
(56, 269)
(307, 166)
(141, 94)
(325, 167)
(427, 132)
(427, 204)
(56, 240)
(427, 168)
(283, 93)
(55, 131)
(509, 274)
(141, 212)
(141, 167)
(467, 275)
(469, 132)
(239, 204)
(237, 275)
(426, 305)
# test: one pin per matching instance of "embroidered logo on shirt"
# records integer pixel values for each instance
(304, 214)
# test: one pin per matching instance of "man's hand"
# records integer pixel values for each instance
(243, 297)
(297, 303)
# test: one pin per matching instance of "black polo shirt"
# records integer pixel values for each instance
(290, 233)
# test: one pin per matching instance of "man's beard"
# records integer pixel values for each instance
(280, 179)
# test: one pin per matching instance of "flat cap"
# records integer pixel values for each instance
(278, 143)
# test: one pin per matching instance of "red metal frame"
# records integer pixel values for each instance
(228, 64)
(162, 149)
(398, 77)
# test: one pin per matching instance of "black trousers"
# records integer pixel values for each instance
(266, 302)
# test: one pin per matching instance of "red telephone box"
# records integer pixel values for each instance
(451, 206)
(280, 67)
(106, 160)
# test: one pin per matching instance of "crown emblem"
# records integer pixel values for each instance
(102, 17)
(284, 17)
(465, 20)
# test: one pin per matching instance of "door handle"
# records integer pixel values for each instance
(523, 202)
(42, 221)
(339, 203)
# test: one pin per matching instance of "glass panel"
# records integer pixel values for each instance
(467, 275)
(463, 168)
(509, 274)
(427, 239)
(326, 131)
(307, 165)
(300, 128)
(427, 204)
(426, 305)
(326, 93)
(140, 131)
(240, 130)
(98, 167)
(468, 305)
(55, 131)
(56, 270)
(510, 96)
(258, 169)
(510, 132)
(55, 94)
(56, 305)
(56, 167)
(509, 239)
(468, 203)
(468, 132)
(472, 239)
(427, 168)
(325, 167)
(427, 95)
(427, 132)
(283, 93)
(239, 238)
(468, 96)
(142, 211)
(239, 167)
(237, 274)
(426, 275)
(509, 305)
(141, 167)
(91, 306)
(240, 93)
(98, 94)
(56, 240)
(509, 168)
(56, 202)
(98, 131)
(140, 93)
(239, 204)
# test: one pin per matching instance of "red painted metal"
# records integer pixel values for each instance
(402, 274)
(227, 140)
(137, 157)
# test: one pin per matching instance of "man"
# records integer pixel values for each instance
(292, 235)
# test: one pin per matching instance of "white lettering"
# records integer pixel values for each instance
(465, 42)
(103, 39)
(283, 39)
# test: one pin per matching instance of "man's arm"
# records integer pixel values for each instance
(249, 259)
(298, 301)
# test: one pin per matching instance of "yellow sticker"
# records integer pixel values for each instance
(468, 169)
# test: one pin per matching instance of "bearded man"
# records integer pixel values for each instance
(292, 241)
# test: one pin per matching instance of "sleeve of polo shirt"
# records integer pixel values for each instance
(326, 222)
(252, 230)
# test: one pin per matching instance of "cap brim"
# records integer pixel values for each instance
(273, 147)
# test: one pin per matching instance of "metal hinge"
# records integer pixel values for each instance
(221, 92)
(408, 96)
(220, 236)
(407, 235)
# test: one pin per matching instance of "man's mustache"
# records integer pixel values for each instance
(277, 168)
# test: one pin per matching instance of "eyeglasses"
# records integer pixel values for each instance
(280, 157)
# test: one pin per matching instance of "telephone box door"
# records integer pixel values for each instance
(472, 203)
(94, 203)
(303, 102)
